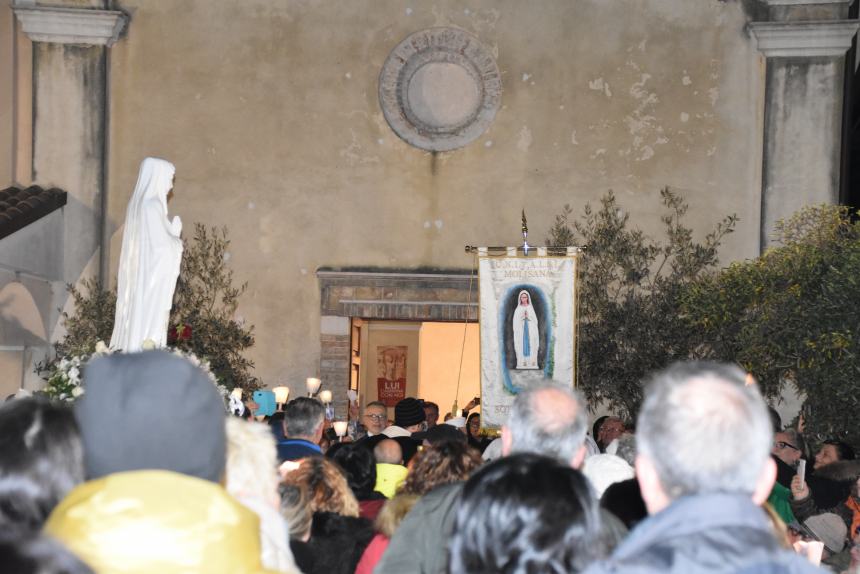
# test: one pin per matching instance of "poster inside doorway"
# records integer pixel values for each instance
(391, 373)
(527, 320)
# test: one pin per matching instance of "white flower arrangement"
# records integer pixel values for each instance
(64, 379)
(203, 366)
(65, 382)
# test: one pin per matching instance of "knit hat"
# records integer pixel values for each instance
(151, 410)
(408, 412)
(606, 469)
(829, 528)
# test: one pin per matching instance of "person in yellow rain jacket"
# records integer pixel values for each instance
(390, 472)
(152, 426)
(157, 521)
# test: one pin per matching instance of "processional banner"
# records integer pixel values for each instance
(527, 323)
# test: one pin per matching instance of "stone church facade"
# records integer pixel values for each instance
(350, 192)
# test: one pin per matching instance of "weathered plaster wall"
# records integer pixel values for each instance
(269, 111)
(31, 291)
(36, 249)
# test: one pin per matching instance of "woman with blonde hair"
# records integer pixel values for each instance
(338, 535)
(296, 510)
(252, 479)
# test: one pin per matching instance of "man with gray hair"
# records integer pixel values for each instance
(704, 468)
(303, 428)
(548, 419)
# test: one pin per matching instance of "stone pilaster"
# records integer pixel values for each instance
(804, 46)
(70, 115)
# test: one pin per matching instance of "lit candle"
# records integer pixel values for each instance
(313, 385)
(340, 427)
(282, 394)
(325, 396)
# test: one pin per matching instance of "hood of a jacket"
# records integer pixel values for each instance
(840, 471)
(330, 524)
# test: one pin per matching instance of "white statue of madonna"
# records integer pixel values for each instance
(526, 334)
(149, 261)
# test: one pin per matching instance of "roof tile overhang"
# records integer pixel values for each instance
(19, 207)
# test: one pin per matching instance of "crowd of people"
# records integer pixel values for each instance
(149, 472)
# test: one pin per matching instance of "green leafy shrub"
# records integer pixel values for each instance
(630, 292)
(792, 317)
(205, 302)
(91, 321)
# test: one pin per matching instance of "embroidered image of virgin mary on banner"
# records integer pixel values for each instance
(525, 330)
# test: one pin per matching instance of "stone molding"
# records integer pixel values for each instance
(804, 39)
(805, 2)
(405, 296)
(71, 25)
(389, 276)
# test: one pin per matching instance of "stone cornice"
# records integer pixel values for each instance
(71, 25)
(804, 39)
(805, 2)
(392, 276)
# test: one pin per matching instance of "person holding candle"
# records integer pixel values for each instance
(373, 421)
(304, 418)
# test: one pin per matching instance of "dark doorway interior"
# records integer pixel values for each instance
(850, 192)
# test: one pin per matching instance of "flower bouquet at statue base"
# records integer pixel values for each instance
(65, 380)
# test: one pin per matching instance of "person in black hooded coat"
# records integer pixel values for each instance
(337, 542)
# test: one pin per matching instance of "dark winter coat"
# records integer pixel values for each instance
(831, 484)
(337, 542)
(842, 474)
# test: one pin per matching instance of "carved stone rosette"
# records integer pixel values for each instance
(439, 89)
